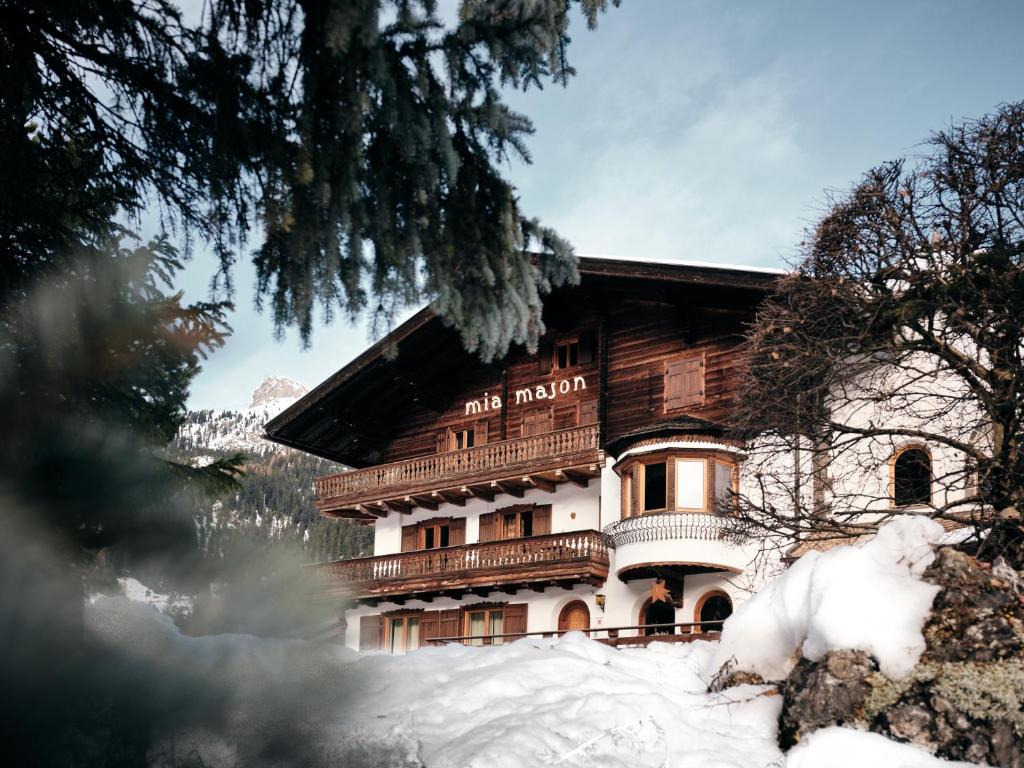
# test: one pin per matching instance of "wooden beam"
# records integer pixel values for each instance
(367, 509)
(478, 492)
(573, 477)
(538, 586)
(482, 591)
(539, 482)
(399, 506)
(506, 487)
(451, 498)
(510, 589)
(420, 501)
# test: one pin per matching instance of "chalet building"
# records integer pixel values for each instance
(580, 487)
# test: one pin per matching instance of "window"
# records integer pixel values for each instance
(691, 484)
(515, 522)
(712, 609)
(567, 354)
(684, 383)
(403, 633)
(435, 535)
(655, 486)
(482, 624)
(911, 477)
(725, 492)
(678, 481)
(659, 613)
(462, 438)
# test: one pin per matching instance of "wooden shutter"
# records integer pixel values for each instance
(488, 527)
(515, 620)
(586, 354)
(430, 625)
(537, 423)
(443, 441)
(457, 531)
(565, 416)
(480, 433)
(693, 382)
(410, 538)
(588, 412)
(449, 623)
(371, 632)
(674, 385)
(545, 357)
(541, 519)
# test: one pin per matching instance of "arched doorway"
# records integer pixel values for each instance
(911, 477)
(574, 616)
(712, 608)
(657, 612)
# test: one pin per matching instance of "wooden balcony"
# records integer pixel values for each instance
(536, 562)
(509, 466)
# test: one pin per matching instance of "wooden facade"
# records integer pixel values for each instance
(635, 352)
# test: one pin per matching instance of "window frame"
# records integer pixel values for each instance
(893, 503)
(567, 344)
(642, 505)
(632, 480)
(488, 611)
(435, 525)
(404, 619)
(465, 432)
(705, 490)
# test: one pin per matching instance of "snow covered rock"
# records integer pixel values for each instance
(868, 598)
(963, 700)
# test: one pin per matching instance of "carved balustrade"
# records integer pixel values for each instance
(425, 473)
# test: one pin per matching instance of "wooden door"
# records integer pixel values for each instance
(575, 616)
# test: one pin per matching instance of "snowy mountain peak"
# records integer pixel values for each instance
(277, 388)
(240, 430)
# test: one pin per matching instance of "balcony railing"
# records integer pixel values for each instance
(455, 469)
(662, 526)
(575, 556)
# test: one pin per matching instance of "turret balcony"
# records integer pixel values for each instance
(536, 562)
(649, 545)
(505, 467)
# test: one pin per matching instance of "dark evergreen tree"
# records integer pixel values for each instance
(361, 138)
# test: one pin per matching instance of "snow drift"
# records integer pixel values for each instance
(868, 598)
(564, 702)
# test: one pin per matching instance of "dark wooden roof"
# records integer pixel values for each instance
(348, 417)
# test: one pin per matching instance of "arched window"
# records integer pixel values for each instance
(658, 612)
(712, 609)
(911, 477)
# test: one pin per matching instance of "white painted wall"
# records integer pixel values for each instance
(572, 509)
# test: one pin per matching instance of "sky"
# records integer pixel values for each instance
(699, 130)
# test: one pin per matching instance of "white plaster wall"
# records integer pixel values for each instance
(541, 614)
(566, 501)
(709, 552)
(611, 494)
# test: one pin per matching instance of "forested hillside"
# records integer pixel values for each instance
(275, 502)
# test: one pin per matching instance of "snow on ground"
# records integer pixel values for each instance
(868, 597)
(568, 702)
(169, 604)
(847, 748)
